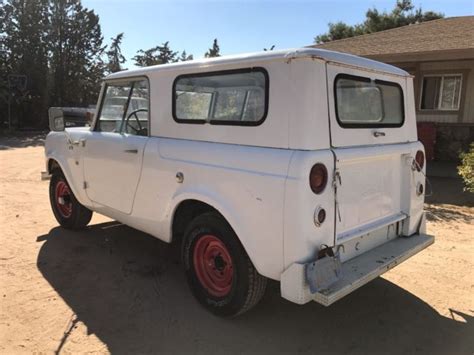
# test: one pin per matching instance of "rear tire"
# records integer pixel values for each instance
(219, 271)
(68, 211)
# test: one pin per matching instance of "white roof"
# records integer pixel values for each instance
(322, 54)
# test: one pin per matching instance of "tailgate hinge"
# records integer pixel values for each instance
(337, 181)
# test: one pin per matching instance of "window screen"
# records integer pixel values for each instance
(361, 102)
(237, 97)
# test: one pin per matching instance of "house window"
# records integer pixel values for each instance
(441, 92)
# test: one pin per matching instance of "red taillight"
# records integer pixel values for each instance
(318, 178)
(420, 160)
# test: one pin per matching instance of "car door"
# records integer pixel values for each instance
(113, 152)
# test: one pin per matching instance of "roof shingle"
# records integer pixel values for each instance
(451, 33)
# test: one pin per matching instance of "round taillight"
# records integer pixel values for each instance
(319, 216)
(420, 160)
(318, 178)
(419, 189)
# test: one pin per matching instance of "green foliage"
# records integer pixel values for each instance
(115, 58)
(156, 55)
(75, 49)
(145, 58)
(466, 169)
(57, 45)
(184, 56)
(165, 54)
(214, 51)
(403, 14)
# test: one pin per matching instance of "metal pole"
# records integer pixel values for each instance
(9, 109)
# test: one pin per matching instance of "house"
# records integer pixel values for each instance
(440, 55)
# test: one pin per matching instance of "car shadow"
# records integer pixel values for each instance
(22, 140)
(129, 290)
(448, 190)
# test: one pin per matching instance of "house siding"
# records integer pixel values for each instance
(454, 129)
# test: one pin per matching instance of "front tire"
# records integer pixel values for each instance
(67, 209)
(219, 271)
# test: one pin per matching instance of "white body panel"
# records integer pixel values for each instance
(258, 177)
(112, 168)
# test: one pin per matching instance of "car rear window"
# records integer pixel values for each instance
(362, 102)
(233, 97)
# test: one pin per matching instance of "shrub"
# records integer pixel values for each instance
(466, 169)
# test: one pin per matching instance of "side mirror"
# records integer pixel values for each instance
(56, 119)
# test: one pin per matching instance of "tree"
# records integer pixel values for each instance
(214, 51)
(57, 45)
(23, 32)
(184, 56)
(75, 49)
(165, 54)
(403, 14)
(3, 61)
(156, 55)
(115, 58)
(145, 58)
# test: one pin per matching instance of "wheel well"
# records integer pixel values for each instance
(185, 212)
(53, 165)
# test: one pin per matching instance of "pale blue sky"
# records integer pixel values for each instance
(240, 26)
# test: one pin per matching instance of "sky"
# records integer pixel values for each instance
(240, 26)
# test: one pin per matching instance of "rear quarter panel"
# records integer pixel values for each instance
(302, 238)
(245, 184)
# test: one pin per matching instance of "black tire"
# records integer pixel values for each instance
(247, 286)
(77, 216)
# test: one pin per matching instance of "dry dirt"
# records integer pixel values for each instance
(113, 289)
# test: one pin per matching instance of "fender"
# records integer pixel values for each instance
(55, 145)
(200, 193)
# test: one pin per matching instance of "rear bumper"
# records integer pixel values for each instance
(355, 272)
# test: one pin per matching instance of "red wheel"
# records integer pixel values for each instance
(213, 265)
(62, 197)
(219, 271)
(66, 208)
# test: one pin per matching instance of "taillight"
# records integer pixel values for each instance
(420, 160)
(319, 216)
(318, 178)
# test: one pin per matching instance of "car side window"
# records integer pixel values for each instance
(125, 108)
(232, 97)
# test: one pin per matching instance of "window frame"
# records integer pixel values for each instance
(129, 79)
(368, 80)
(438, 108)
(217, 73)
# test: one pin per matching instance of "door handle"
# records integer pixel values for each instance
(81, 142)
(132, 151)
(379, 134)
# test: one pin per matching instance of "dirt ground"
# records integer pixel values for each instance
(113, 289)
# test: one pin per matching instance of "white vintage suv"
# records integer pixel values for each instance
(301, 166)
